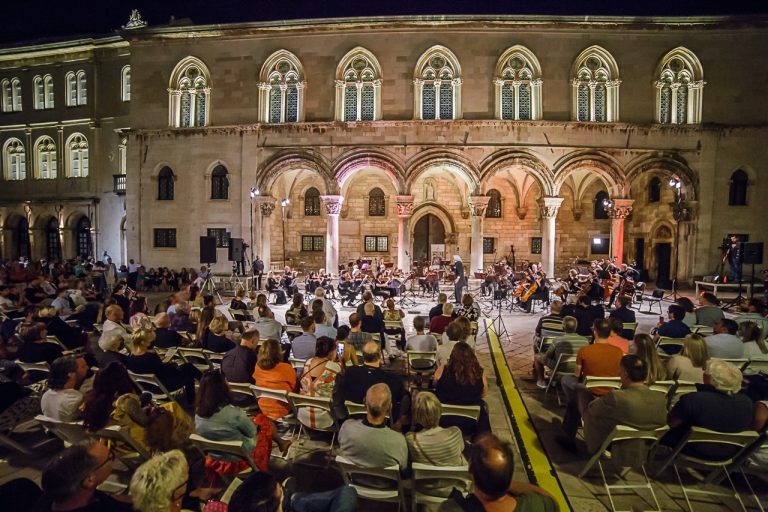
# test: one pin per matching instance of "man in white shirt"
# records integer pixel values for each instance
(62, 400)
(330, 311)
(724, 344)
(421, 342)
(114, 316)
(64, 304)
(752, 312)
(444, 350)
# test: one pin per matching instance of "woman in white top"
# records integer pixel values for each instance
(754, 345)
(688, 365)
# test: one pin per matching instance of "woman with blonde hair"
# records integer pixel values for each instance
(644, 347)
(754, 345)
(433, 444)
(207, 315)
(160, 484)
(689, 364)
(216, 340)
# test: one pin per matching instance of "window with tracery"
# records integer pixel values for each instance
(45, 158)
(312, 202)
(189, 94)
(493, 211)
(376, 203)
(518, 85)
(11, 91)
(437, 85)
(219, 183)
(654, 190)
(77, 156)
(281, 89)
(737, 190)
(595, 85)
(679, 88)
(358, 85)
(15, 160)
(165, 184)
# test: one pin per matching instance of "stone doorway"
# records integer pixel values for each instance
(428, 230)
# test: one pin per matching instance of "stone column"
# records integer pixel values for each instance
(333, 209)
(266, 207)
(478, 205)
(404, 211)
(549, 207)
(618, 212)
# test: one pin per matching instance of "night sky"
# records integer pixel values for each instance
(57, 19)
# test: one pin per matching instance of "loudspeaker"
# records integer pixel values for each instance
(235, 252)
(752, 253)
(207, 249)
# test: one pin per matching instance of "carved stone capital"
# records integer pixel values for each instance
(621, 208)
(522, 211)
(479, 204)
(549, 206)
(577, 213)
(332, 204)
(267, 207)
(404, 205)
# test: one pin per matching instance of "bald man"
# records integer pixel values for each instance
(115, 315)
(369, 442)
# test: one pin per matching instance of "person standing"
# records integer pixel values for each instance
(460, 280)
(734, 258)
(258, 272)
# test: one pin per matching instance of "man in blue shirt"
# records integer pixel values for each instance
(675, 328)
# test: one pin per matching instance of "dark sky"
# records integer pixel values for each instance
(61, 18)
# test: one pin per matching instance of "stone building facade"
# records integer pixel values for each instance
(339, 139)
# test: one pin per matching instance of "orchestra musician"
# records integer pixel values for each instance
(537, 288)
(288, 282)
(460, 278)
(326, 281)
(488, 286)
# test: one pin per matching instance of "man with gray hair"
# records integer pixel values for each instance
(164, 336)
(369, 442)
(716, 405)
(110, 345)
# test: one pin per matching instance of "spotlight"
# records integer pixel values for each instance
(285, 202)
(675, 183)
(254, 192)
(597, 241)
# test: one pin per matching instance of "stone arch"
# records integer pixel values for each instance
(602, 55)
(273, 60)
(181, 68)
(438, 211)
(358, 51)
(214, 164)
(687, 56)
(291, 160)
(437, 50)
(349, 163)
(457, 163)
(669, 165)
(608, 169)
(507, 158)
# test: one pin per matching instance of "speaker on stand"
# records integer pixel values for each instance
(208, 257)
(752, 254)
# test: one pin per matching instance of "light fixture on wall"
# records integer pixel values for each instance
(283, 203)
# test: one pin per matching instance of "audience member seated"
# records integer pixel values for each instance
(115, 315)
(161, 483)
(272, 373)
(297, 311)
(357, 338)
(70, 479)
(216, 340)
(164, 336)
(624, 312)
(644, 347)
(238, 303)
(371, 323)
(182, 319)
(554, 319)
(688, 365)
(724, 343)
(586, 314)
(303, 346)
(18, 403)
(110, 347)
(238, 364)
(462, 382)
(634, 405)
(369, 442)
(318, 378)
(353, 384)
(690, 311)
(368, 298)
(421, 342)
(708, 313)
(753, 343)
(268, 327)
(145, 361)
(438, 324)
(110, 383)
(597, 360)
(716, 405)
(216, 418)
(71, 337)
(34, 348)
(62, 400)
(348, 354)
(207, 314)
(328, 309)
(616, 339)
(454, 333)
(262, 492)
(491, 467)
(469, 308)
(466, 332)
(321, 326)
(754, 311)
(568, 344)
(137, 312)
(437, 310)
(433, 444)
(675, 328)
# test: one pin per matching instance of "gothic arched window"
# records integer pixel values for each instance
(189, 92)
(376, 203)
(494, 205)
(219, 183)
(737, 192)
(125, 83)
(77, 156)
(83, 237)
(165, 184)
(281, 89)
(312, 202)
(15, 160)
(358, 87)
(437, 85)
(600, 198)
(518, 85)
(679, 85)
(45, 158)
(654, 190)
(595, 82)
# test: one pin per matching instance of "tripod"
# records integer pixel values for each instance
(208, 283)
(736, 302)
(234, 279)
(498, 323)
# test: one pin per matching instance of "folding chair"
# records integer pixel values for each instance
(741, 364)
(546, 341)
(354, 408)
(602, 382)
(358, 477)
(238, 314)
(470, 412)
(655, 298)
(675, 343)
(242, 392)
(122, 435)
(214, 358)
(758, 365)
(622, 434)
(630, 326)
(674, 389)
(563, 361)
(211, 447)
(42, 369)
(196, 356)
(704, 330)
(298, 364)
(421, 364)
(152, 385)
(69, 432)
(429, 480)
(55, 340)
(299, 402)
(279, 396)
(639, 294)
(741, 441)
